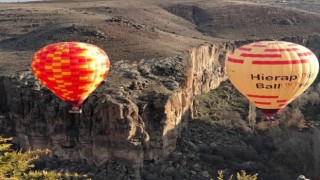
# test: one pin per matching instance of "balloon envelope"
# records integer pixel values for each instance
(272, 73)
(71, 70)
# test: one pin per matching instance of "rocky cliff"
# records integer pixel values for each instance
(137, 114)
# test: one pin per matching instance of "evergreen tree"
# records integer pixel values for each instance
(17, 165)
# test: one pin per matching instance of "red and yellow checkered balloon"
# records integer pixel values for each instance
(71, 70)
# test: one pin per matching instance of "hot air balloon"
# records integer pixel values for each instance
(271, 74)
(71, 70)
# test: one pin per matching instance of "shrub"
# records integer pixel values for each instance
(242, 175)
(297, 150)
(16, 165)
(233, 120)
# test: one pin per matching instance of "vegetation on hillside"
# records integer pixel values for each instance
(291, 144)
(242, 175)
(16, 165)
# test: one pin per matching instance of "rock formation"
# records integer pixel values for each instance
(137, 114)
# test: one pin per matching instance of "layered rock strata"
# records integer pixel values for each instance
(137, 114)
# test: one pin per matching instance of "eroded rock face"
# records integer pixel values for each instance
(137, 114)
(208, 67)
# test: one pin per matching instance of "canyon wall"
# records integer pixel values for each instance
(137, 114)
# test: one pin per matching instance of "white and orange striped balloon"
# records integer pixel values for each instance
(271, 74)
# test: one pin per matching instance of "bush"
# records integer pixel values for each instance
(297, 150)
(242, 175)
(233, 120)
(18, 164)
(293, 118)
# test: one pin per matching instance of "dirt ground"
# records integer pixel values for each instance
(144, 29)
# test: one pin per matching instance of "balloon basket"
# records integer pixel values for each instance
(269, 118)
(75, 110)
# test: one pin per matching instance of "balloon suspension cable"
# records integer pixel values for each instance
(75, 110)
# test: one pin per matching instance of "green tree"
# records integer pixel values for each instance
(242, 175)
(17, 165)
